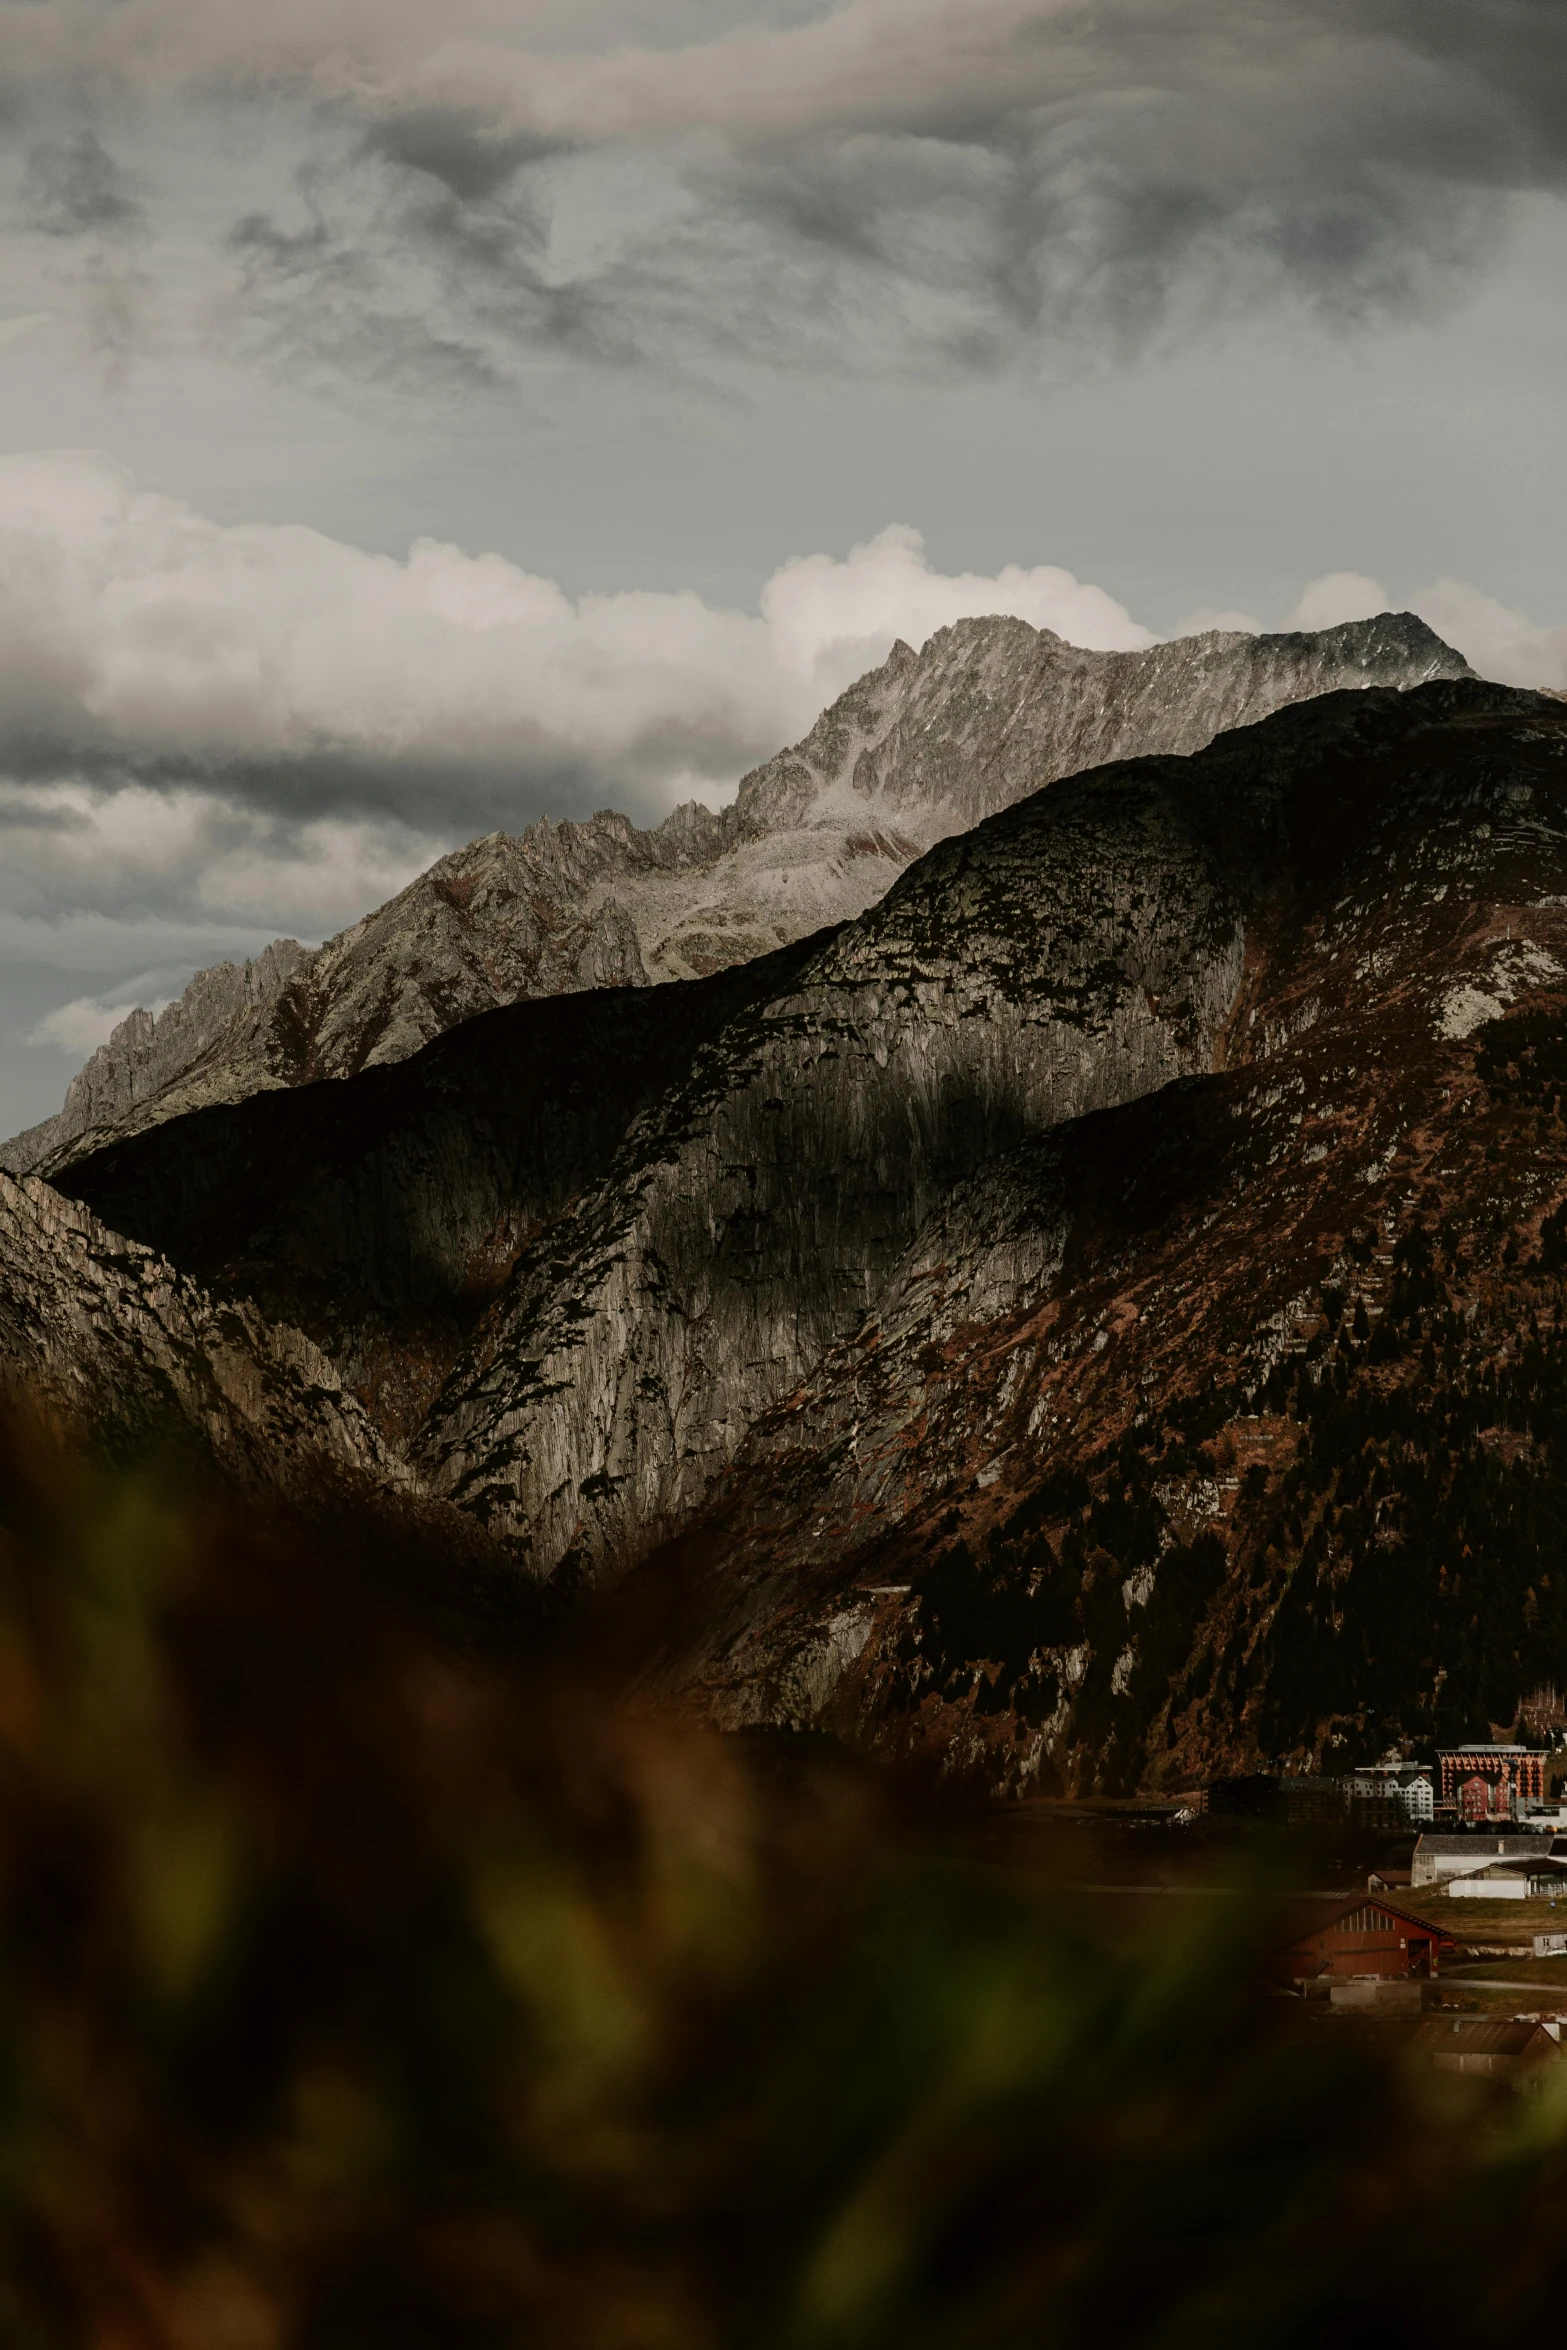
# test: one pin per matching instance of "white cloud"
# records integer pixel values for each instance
(1341, 596)
(134, 630)
(79, 1027)
(825, 615)
(128, 849)
(1499, 642)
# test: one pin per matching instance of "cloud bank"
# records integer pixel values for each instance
(261, 726)
(926, 185)
(215, 733)
(140, 640)
(212, 734)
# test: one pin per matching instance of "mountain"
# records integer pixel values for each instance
(921, 748)
(1226, 1426)
(1091, 1320)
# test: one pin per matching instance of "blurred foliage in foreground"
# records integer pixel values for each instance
(357, 1995)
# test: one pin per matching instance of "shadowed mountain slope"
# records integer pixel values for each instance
(1020, 1326)
(100, 1333)
(383, 1215)
(923, 747)
(1228, 1426)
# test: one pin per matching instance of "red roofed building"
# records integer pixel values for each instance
(1485, 1782)
(1358, 1934)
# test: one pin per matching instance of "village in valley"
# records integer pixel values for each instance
(1461, 1924)
(1429, 1900)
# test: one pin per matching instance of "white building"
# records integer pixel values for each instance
(1536, 1818)
(1513, 1880)
(1439, 1859)
(1403, 1791)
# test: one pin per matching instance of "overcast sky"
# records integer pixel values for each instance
(419, 414)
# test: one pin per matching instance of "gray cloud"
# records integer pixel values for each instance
(73, 187)
(319, 301)
(417, 257)
(999, 182)
(474, 164)
(914, 186)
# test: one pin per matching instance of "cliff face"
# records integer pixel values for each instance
(988, 712)
(1025, 1322)
(1057, 960)
(386, 1214)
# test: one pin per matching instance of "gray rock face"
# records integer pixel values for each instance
(921, 748)
(384, 1214)
(1153, 1457)
(1060, 958)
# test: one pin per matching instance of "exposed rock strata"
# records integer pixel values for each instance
(921, 748)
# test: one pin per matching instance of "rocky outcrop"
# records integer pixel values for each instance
(213, 1028)
(921, 748)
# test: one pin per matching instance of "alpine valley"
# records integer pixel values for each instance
(1035, 1241)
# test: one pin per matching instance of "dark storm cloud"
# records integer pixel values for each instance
(463, 796)
(474, 165)
(1140, 164)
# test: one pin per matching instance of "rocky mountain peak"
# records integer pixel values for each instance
(924, 746)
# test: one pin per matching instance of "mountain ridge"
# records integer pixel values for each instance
(922, 747)
(1096, 1319)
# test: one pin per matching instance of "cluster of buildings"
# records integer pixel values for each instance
(1364, 1951)
(1485, 1829)
(1478, 1867)
(1473, 1787)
